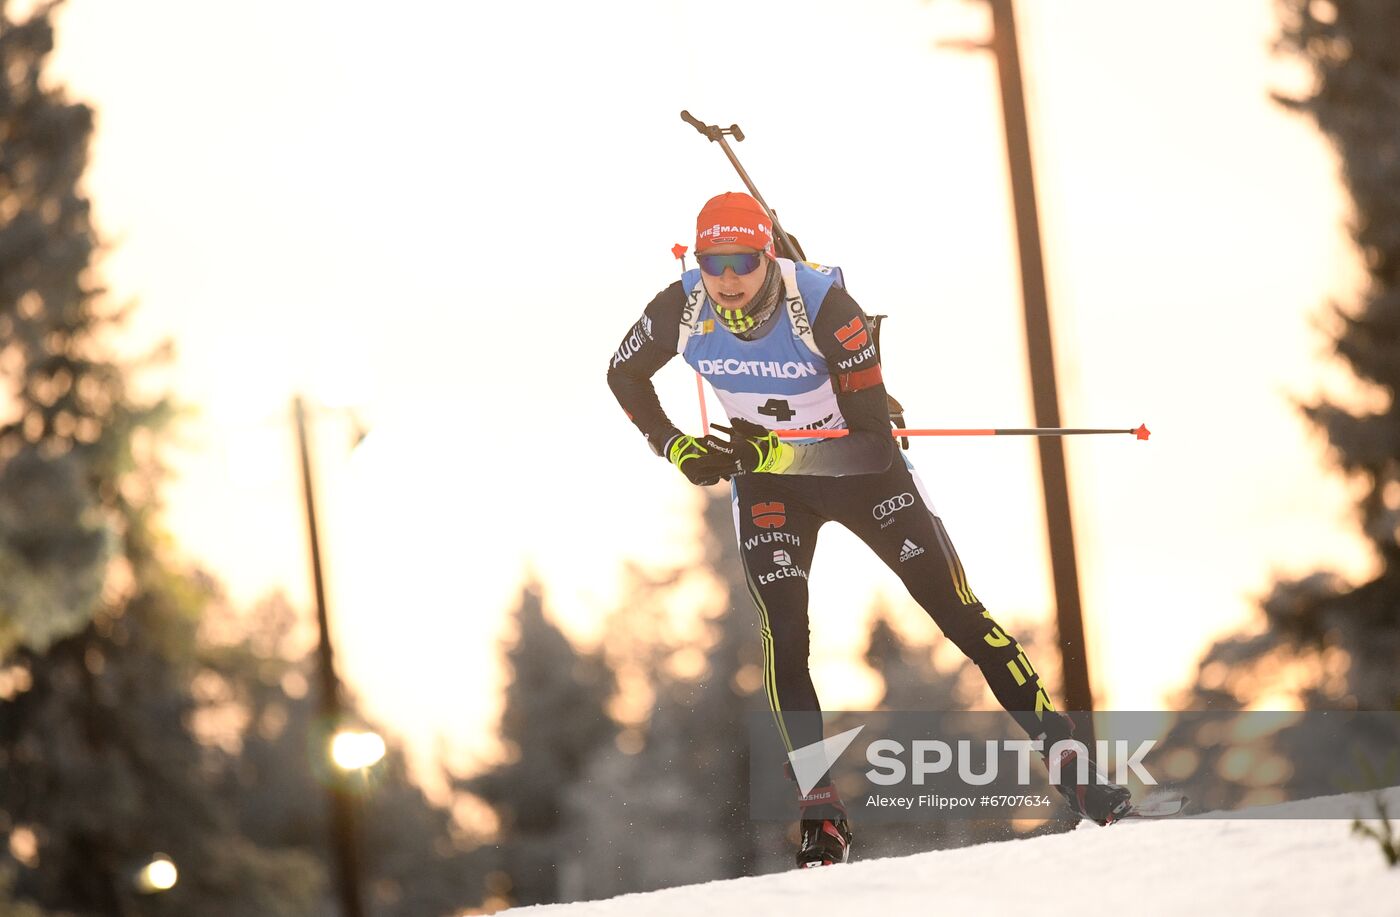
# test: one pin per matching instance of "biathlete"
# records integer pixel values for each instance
(785, 347)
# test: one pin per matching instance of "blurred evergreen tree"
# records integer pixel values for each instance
(98, 770)
(708, 715)
(667, 804)
(122, 732)
(555, 717)
(1332, 643)
(1344, 639)
(67, 425)
(911, 679)
(415, 860)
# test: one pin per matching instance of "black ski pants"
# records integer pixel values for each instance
(777, 518)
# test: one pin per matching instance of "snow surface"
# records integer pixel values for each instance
(1186, 865)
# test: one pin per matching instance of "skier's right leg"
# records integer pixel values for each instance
(777, 533)
(777, 536)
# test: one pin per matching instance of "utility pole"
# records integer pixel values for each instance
(343, 841)
(1078, 694)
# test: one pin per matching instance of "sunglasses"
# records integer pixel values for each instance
(714, 265)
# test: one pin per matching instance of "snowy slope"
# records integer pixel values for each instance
(1193, 866)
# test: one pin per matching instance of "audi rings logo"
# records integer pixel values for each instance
(892, 506)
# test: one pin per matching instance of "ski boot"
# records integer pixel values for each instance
(826, 836)
(825, 842)
(1101, 802)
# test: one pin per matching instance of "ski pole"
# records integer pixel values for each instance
(679, 251)
(704, 416)
(716, 134)
(1141, 432)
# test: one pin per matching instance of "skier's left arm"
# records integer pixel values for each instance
(846, 339)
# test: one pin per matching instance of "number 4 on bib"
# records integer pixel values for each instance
(778, 409)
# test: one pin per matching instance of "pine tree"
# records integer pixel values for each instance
(667, 804)
(554, 720)
(1339, 640)
(98, 770)
(715, 709)
(67, 420)
(1349, 635)
(912, 681)
(414, 859)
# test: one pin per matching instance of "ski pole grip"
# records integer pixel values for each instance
(695, 122)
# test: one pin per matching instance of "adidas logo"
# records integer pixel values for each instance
(910, 550)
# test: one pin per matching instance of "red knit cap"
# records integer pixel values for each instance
(733, 217)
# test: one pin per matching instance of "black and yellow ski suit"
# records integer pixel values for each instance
(860, 480)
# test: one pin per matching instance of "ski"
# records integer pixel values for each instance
(1161, 807)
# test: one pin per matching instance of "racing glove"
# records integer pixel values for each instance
(757, 449)
(699, 459)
